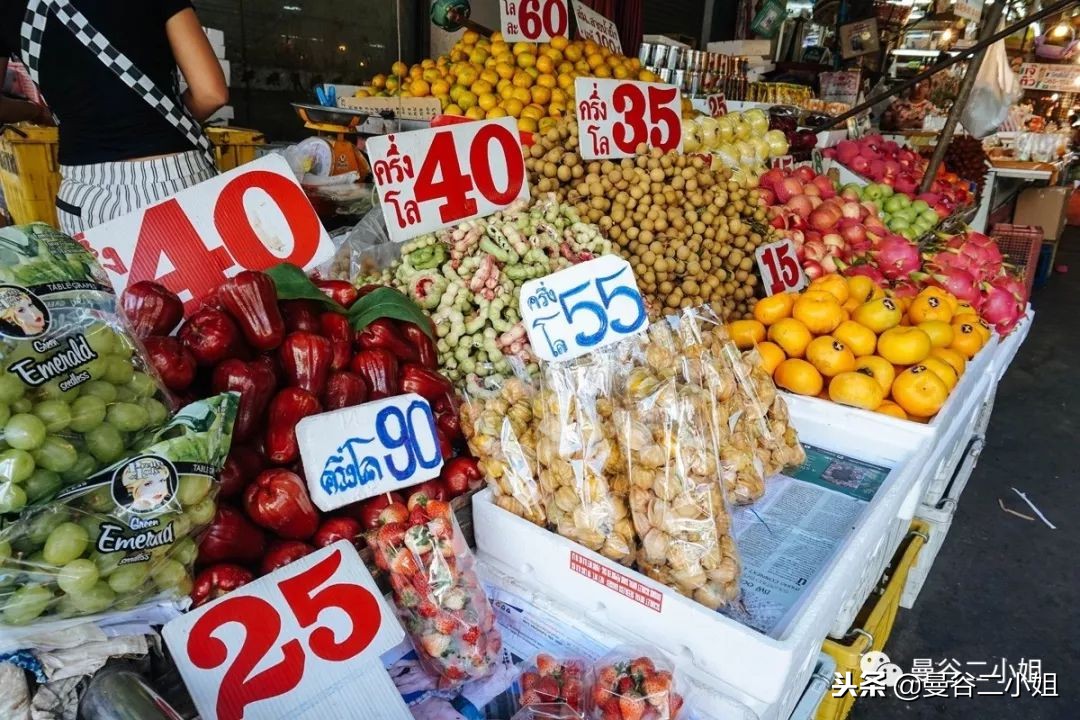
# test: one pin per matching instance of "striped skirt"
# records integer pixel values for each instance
(94, 194)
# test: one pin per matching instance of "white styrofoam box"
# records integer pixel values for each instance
(217, 40)
(1011, 344)
(663, 40)
(954, 445)
(940, 518)
(224, 115)
(226, 68)
(767, 673)
(816, 689)
(830, 138)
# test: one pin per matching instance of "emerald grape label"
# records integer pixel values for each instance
(22, 313)
(75, 351)
(143, 485)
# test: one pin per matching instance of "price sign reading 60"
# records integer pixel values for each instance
(616, 116)
(533, 20)
(582, 308)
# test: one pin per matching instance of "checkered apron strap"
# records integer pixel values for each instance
(33, 31)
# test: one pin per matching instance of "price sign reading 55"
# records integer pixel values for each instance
(296, 643)
(778, 265)
(582, 308)
(431, 179)
(616, 116)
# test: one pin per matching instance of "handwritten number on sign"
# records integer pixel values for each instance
(600, 310)
(783, 268)
(551, 22)
(622, 291)
(480, 161)
(455, 185)
(629, 101)
(661, 115)
(262, 626)
(355, 601)
(582, 339)
(404, 435)
(429, 421)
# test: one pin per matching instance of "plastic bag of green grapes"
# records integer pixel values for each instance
(125, 536)
(75, 388)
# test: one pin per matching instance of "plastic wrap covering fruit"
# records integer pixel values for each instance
(127, 533)
(632, 683)
(550, 680)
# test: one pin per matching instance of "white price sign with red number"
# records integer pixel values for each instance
(533, 20)
(250, 218)
(591, 25)
(431, 179)
(717, 105)
(778, 265)
(615, 116)
(302, 642)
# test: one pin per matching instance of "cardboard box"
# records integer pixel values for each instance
(1044, 207)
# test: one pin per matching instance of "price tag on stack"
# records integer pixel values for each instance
(250, 218)
(591, 25)
(717, 105)
(615, 116)
(533, 20)
(431, 179)
(778, 265)
(582, 308)
(357, 452)
(302, 643)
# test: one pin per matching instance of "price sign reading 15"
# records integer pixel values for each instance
(778, 265)
(582, 308)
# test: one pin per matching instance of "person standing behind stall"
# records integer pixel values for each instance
(108, 68)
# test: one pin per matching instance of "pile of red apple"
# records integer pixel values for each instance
(289, 359)
(901, 168)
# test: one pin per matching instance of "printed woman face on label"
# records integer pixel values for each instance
(149, 484)
(21, 314)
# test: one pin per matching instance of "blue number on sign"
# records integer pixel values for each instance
(582, 339)
(425, 412)
(401, 439)
(622, 291)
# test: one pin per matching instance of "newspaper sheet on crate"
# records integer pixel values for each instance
(789, 536)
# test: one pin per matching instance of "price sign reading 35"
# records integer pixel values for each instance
(615, 116)
(779, 267)
(533, 20)
(300, 643)
(365, 450)
(582, 308)
(431, 179)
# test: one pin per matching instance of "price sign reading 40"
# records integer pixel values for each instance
(378, 447)
(779, 267)
(582, 308)
(615, 116)
(533, 20)
(431, 179)
(250, 218)
(301, 642)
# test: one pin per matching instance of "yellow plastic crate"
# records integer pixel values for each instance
(234, 146)
(874, 623)
(29, 172)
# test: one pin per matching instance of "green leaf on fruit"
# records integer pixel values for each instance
(389, 303)
(292, 283)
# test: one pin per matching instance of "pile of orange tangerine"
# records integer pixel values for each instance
(846, 340)
(489, 78)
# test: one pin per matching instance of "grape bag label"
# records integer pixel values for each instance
(22, 313)
(76, 351)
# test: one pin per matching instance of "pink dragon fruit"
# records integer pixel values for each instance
(905, 288)
(866, 269)
(1014, 285)
(959, 282)
(1000, 309)
(896, 257)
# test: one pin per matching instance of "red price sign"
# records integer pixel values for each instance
(783, 162)
(250, 218)
(431, 179)
(717, 105)
(294, 643)
(615, 116)
(533, 20)
(779, 267)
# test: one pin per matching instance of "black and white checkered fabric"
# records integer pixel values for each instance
(33, 31)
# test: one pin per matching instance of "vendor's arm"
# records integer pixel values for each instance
(12, 111)
(207, 91)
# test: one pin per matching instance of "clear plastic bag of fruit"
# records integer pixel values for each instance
(498, 423)
(581, 469)
(436, 591)
(75, 390)
(673, 462)
(550, 679)
(634, 683)
(126, 534)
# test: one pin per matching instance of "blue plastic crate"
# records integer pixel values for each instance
(1045, 265)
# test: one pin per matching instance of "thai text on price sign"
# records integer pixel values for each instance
(779, 267)
(717, 105)
(431, 179)
(615, 116)
(250, 218)
(302, 643)
(582, 308)
(533, 20)
(591, 25)
(380, 446)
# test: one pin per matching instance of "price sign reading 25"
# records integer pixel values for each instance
(582, 308)
(431, 179)
(615, 116)
(357, 452)
(778, 265)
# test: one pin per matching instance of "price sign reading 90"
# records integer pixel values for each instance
(582, 308)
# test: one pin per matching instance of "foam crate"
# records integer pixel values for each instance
(1010, 344)
(816, 689)
(768, 674)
